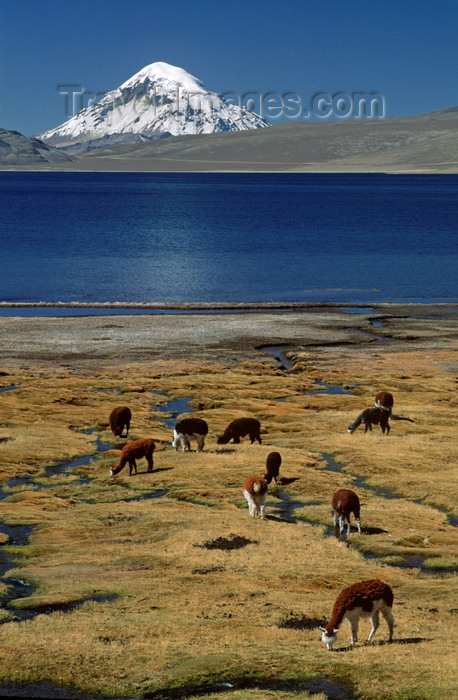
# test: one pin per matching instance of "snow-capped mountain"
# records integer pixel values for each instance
(160, 100)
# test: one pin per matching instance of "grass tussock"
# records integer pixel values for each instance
(179, 613)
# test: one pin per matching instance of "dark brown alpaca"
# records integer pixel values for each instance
(273, 463)
(344, 503)
(239, 428)
(120, 418)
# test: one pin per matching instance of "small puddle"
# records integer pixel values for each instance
(11, 387)
(175, 407)
(330, 389)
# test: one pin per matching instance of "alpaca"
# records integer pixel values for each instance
(132, 451)
(255, 492)
(384, 400)
(120, 417)
(345, 502)
(273, 463)
(190, 429)
(363, 599)
(239, 428)
(372, 416)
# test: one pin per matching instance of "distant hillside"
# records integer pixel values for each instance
(17, 150)
(421, 143)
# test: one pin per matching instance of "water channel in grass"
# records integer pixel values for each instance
(288, 505)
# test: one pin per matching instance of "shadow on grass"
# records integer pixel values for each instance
(303, 622)
(231, 542)
(383, 643)
(373, 531)
(279, 519)
(155, 471)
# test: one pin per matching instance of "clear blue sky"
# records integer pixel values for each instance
(406, 50)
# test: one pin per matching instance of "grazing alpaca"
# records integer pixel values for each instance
(273, 463)
(345, 502)
(120, 417)
(363, 599)
(239, 428)
(384, 400)
(132, 451)
(190, 429)
(255, 492)
(371, 416)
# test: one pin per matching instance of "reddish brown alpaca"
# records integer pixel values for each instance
(384, 400)
(362, 599)
(255, 492)
(132, 451)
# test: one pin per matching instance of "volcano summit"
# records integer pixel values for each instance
(160, 100)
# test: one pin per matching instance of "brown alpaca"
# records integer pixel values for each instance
(362, 599)
(132, 451)
(120, 417)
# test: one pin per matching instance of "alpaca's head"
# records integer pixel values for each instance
(115, 470)
(328, 638)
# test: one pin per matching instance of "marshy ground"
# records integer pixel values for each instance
(160, 585)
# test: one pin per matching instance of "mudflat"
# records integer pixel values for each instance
(231, 336)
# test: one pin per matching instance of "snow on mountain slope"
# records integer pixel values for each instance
(160, 100)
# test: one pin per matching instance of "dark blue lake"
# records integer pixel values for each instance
(173, 237)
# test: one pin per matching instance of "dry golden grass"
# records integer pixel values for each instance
(186, 615)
